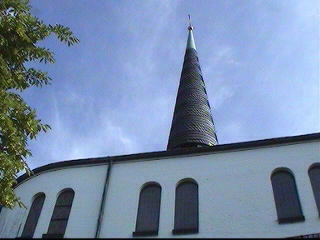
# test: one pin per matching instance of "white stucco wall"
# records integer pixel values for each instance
(86, 181)
(235, 194)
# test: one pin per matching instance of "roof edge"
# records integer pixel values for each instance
(171, 153)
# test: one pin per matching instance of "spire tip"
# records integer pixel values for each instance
(190, 27)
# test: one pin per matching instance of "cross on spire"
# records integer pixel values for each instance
(190, 27)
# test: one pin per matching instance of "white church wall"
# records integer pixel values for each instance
(86, 181)
(235, 192)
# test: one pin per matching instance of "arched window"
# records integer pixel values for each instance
(148, 210)
(314, 175)
(186, 217)
(33, 216)
(286, 196)
(60, 215)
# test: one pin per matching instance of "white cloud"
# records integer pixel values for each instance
(221, 55)
(116, 90)
(221, 94)
(232, 130)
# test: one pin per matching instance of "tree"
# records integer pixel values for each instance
(20, 32)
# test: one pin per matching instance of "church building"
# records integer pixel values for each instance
(196, 188)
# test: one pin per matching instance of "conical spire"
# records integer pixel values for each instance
(190, 42)
(192, 124)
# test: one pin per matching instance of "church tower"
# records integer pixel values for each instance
(192, 124)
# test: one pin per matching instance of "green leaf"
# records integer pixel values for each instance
(20, 35)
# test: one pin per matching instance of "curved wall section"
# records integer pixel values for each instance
(234, 193)
(87, 183)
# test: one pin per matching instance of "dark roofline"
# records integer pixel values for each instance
(171, 153)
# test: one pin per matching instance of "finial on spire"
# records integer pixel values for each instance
(190, 43)
(190, 28)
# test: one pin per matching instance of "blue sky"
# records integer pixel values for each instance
(114, 93)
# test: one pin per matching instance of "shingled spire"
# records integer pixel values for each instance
(192, 124)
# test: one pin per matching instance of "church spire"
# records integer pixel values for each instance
(192, 124)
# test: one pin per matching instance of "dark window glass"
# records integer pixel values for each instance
(148, 210)
(33, 216)
(61, 212)
(186, 208)
(286, 197)
(314, 175)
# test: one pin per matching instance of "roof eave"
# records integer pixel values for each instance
(171, 153)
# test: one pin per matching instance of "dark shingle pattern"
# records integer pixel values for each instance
(192, 123)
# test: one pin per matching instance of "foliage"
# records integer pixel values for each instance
(20, 32)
